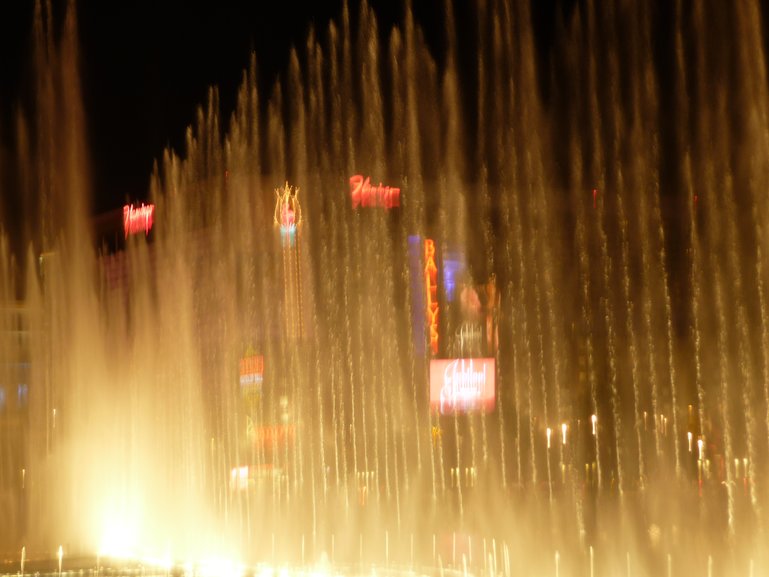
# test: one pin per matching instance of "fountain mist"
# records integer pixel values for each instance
(630, 287)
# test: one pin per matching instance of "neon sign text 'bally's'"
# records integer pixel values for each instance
(431, 289)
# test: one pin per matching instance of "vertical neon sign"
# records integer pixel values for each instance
(251, 371)
(431, 290)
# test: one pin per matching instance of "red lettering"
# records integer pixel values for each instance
(431, 290)
(365, 195)
(429, 248)
(394, 199)
(138, 218)
(356, 183)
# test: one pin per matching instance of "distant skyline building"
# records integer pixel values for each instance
(288, 217)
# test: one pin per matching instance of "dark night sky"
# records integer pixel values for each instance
(146, 65)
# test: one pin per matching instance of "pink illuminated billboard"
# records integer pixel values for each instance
(462, 385)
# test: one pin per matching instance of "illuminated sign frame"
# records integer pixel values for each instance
(365, 195)
(431, 290)
(462, 385)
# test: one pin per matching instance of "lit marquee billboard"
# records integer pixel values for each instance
(251, 373)
(462, 385)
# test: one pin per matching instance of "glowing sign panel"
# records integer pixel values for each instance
(251, 371)
(431, 289)
(138, 219)
(462, 385)
(363, 194)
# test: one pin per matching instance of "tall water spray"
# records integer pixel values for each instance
(611, 193)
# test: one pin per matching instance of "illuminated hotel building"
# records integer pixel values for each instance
(288, 218)
(250, 417)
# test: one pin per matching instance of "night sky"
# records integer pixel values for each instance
(147, 65)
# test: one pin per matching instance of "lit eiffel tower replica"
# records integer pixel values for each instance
(288, 216)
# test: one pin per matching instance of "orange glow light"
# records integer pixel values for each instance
(252, 365)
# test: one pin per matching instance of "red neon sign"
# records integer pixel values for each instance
(138, 218)
(462, 385)
(363, 194)
(431, 289)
